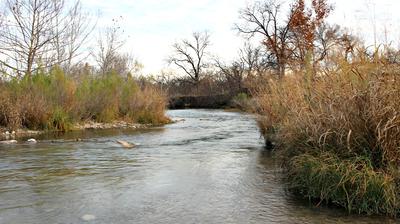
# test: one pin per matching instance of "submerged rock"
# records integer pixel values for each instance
(88, 217)
(125, 144)
(180, 120)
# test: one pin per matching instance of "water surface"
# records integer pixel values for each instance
(209, 168)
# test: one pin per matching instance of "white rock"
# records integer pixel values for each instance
(31, 140)
(88, 217)
(7, 133)
(125, 144)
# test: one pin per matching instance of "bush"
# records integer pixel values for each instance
(55, 101)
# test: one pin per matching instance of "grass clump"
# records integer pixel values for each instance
(338, 133)
(351, 183)
(242, 101)
(55, 101)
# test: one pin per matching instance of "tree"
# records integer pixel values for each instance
(285, 36)
(189, 55)
(233, 74)
(309, 33)
(250, 63)
(108, 54)
(68, 42)
(265, 19)
(254, 59)
(32, 30)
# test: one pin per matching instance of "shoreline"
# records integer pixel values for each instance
(6, 134)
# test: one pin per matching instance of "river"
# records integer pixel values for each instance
(209, 168)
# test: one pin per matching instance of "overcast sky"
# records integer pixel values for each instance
(151, 26)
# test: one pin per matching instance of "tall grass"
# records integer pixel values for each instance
(55, 101)
(351, 113)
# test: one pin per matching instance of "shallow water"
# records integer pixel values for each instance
(209, 168)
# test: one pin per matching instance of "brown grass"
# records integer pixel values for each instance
(350, 111)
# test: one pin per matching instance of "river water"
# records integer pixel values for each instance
(209, 168)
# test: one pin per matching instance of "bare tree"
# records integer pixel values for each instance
(189, 55)
(68, 42)
(108, 53)
(233, 74)
(31, 30)
(255, 60)
(252, 62)
(266, 19)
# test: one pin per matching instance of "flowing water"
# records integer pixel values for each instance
(209, 168)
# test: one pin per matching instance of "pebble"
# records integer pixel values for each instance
(88, 217)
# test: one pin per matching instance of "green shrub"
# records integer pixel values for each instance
(352, 183)
(59, 120)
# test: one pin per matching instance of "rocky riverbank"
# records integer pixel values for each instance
(6, 134)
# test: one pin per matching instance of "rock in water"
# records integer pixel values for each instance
(125, 144)
(31, 140)
(8, 142)
(88, 217)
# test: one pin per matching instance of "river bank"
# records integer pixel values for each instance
(82, 126)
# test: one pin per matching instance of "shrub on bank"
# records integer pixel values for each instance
(352, 183)
(55, 101)
(348, 113)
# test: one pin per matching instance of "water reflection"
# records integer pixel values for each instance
(211, 168)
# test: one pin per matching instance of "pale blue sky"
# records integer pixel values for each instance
(151, 26)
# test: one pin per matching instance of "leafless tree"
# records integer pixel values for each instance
(267, 19)
(31, 30)
(251, 63)
(255, 60)
(109, 55)
(68, 42)
(233, 73)
(189, 55)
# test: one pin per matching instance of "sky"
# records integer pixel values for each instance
(152, 26)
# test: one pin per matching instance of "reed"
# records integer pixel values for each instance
(323, 124)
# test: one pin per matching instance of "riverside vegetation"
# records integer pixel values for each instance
(55, 101)
(338, 134)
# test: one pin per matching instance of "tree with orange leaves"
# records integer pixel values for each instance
(305, 24)
(286, 38)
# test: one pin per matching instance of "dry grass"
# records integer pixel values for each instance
(352, 111)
